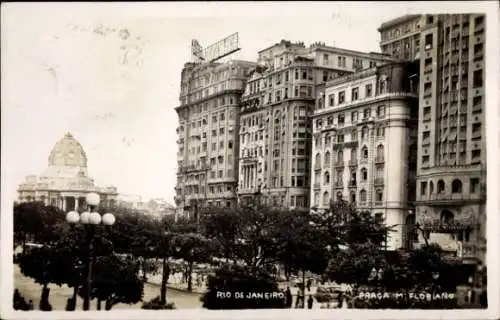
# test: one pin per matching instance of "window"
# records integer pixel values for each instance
(325, 59)
(423, 188)
(353, 197)
(341, 119)
(354, 94)
(379, 195)
(318, 159)
(428, 42)
(364, 152)
(326, 177)
(362, 195)
(340, 157)
(440, 186)
(380, 152)
(478, 78)
(325, 76)
(341, 97)
(364, 174)
(364, 133)
(222, 116)
(327, 158)
(380, 111)
(368, 88)
(456, 186)
(331, 99)
(354, 155)
(354, 116)
(474, 185)
(326, 198)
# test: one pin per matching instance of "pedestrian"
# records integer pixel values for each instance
(309, 282)
(288, 297)
(310, 302)
(30, 305)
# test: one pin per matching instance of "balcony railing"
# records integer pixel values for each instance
(353, 163)
(339, 164)
(339, 185)
(379, 159)
(379, 181)
(317, 185)
(453, 197)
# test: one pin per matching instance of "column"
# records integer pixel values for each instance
(245, 181)
(64, 203)
(76, 203)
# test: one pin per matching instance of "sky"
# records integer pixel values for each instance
(110, 74)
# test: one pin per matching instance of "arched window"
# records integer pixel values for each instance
(354, 155)
(327, 158)
(380, 152)
(354, 135)
(326, 198)
(364, 133)
(364, 174)
(316, 199)
(447, 216)
(440, 186)
(379, 195)
(353, 197)
(326, 177)
(456, 186)
(431, 187)
(362, 195)
(340, 156)
(330, 121)
(317, 141)
(364, 152)
(339, 195)
(318, 159)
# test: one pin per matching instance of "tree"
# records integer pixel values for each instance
(192, 247)
(232, 280)
(115, 281)
(47, 265)
(301, 245)
(43, 224)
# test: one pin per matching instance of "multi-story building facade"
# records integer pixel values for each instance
(400, 37)
(364, 133)
(275, 123)
(208, 134)
(451, 178)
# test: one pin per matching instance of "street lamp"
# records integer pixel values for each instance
(90, 219)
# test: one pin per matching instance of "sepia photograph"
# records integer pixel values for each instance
(245, 159)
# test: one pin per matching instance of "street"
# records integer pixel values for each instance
(58, 295)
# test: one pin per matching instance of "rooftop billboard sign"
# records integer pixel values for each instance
(216, 51)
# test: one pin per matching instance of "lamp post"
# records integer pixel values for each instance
(90, 219)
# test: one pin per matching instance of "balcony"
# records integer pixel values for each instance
(317, 166)
(353, 163)
(379, 160)
(477, 108)
(352, 184)
(363, 160)
(378, 203)
(317, 186)
(378, 181)
(452, 199)
(338, 185)
(339, 164)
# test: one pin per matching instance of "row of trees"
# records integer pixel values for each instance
(342, 244)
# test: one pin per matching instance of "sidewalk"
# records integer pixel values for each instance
(175, 284)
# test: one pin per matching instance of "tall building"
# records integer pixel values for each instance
(275, 122)
(364, 134)
(452, 144)
(208, 114)
(66, 182)
(400, 37)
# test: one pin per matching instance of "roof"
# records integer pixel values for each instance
(398, 20)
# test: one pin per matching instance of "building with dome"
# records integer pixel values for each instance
(66, 182)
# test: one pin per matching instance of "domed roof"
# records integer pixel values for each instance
(68, 152)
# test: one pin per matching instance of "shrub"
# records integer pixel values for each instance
(156, 304)
(231, 280)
